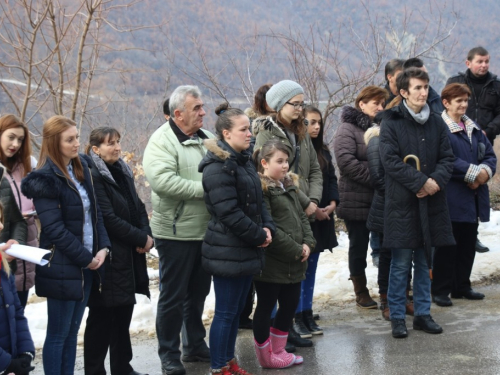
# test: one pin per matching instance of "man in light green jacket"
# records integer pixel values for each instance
(179, 222)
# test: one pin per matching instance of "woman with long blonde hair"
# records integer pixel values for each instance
(72, 228)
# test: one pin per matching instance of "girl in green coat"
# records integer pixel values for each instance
(286, 257)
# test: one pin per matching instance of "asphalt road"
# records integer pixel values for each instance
(359, 342)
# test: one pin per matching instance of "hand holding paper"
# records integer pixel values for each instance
(28, 253)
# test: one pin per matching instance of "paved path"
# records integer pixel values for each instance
(360, 342)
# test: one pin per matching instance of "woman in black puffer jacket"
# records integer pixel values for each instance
(355, 187)
(127, 224)
(72, 228)
(239, 228)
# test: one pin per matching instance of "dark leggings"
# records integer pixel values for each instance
(287, 296)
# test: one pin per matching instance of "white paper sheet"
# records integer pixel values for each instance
(28, 253)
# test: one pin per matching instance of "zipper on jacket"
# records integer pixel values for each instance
(52, 252)
(177, 215)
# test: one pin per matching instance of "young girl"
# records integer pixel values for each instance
(286, 257)
(323, 227)
(16, 346)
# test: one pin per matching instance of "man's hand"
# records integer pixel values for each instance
(311, 209)
(330, 208)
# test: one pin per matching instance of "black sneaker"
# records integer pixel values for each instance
(300, 327)
(173, 367)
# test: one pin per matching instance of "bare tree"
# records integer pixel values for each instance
(51, 55)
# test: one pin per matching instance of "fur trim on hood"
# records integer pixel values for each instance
(41, 185)
(289, 180)
(354, 116)
(212, 146)
(251, 113)
(373, 132)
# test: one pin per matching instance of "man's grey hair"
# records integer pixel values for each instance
(178, 97)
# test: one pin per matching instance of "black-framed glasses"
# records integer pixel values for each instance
(297, 105)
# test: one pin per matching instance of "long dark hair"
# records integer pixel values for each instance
(260, 104)
(318, 141)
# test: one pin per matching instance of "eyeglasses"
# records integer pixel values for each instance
(297, 105)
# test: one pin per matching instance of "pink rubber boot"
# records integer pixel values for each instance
(278, 343)
(268, 359)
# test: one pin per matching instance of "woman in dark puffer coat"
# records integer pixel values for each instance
(127, 224)
(73, 229)
(239, 228)
(355, 187)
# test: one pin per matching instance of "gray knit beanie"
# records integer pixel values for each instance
(282, 92)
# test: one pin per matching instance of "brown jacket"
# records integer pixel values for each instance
(355, 188)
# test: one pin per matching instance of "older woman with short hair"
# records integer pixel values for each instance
(467, 195)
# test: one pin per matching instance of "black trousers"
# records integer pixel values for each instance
(287, 296)
(453, 264)
(184, 287)
(108, 327)
(359, 238)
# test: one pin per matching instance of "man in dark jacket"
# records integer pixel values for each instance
(433, 98)
(413, 129)
(484, 103)
(392, 70)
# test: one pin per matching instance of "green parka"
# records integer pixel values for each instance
(309, 171)
(171, 162)
(283, 263)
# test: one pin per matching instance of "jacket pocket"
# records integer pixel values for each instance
(178, 214)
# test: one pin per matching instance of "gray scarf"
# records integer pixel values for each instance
(421, 117)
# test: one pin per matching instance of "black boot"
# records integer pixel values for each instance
(427, 324)
(307, 317)
(399, 330)
(295, 339)
(300, 327)
(289, 347)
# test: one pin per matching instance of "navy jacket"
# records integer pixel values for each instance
(465, 204)
(60, 210)
(15, 337)
(233, 195)
(434, 101)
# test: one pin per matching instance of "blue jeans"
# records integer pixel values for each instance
(230, 298)
(375, 244)
(396, 296)
(64, 318)
(307, 290)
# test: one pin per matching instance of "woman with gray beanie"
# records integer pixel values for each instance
(287, 124)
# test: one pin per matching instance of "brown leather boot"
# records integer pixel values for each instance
(363, 298)
(384, 307)
(409, 304)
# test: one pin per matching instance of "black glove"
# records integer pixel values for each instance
(20, 366)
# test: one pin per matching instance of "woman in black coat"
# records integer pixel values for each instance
(239, 228)
(72, 228)
(127, 224)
